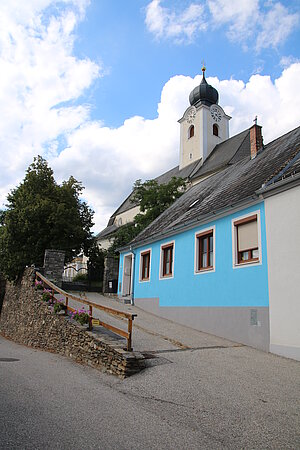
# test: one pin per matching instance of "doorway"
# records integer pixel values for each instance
(127, 275)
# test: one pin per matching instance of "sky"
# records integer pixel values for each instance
(97, 87)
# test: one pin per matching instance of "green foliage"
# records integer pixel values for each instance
(153, 199)
(58, 306)
(96, 258)
(124, 235)
(81, 277)
(46, 295)
(41, 214)
(81, 316)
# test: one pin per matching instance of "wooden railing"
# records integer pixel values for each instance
(114, 312)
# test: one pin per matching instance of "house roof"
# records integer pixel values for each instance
(236, 183)
(227, 152)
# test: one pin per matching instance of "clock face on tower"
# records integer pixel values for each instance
(191, 115)
(216, 113)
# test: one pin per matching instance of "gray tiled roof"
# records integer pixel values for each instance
(236, 183)
(106, 231)
(227, 152)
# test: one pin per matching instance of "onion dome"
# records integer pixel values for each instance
(204, 94)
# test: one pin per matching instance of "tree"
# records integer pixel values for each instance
(153, 199)
(41, 214)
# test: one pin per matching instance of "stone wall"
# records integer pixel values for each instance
(26, 319)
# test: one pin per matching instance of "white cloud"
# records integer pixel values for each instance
(276, 25)
(240, 15)
(39, 80)
(182, 27)
(108, 160)
(248, 22)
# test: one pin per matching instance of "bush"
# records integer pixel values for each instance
(58, 306)
(81, 277)
(81, 316)
(39, 285)
(47, 295)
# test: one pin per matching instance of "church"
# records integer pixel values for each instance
(224, 258)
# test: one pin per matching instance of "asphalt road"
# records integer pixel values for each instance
(233, 397)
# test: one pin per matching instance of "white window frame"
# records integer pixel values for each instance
(161, 276)
(196, 251)
(141, 267)
(235, 263)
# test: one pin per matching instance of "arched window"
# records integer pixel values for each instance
(191, 131)
(215, 130)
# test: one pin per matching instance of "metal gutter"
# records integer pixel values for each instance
(280, 186)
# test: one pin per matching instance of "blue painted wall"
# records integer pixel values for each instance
(226, 286)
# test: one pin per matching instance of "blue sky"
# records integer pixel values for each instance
(138, 63)
(93, 86)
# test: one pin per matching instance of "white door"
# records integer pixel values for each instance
(127, 275)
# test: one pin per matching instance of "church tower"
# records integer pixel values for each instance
(203, 125)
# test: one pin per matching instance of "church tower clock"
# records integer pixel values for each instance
(203, 125)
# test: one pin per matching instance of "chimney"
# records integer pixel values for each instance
(256, 139)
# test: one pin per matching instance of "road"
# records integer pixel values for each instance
(210, 398)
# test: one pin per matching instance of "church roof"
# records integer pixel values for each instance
(227, 152)
(237, 183)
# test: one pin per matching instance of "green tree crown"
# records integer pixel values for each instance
(42, 214)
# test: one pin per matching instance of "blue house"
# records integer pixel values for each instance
(204, 261)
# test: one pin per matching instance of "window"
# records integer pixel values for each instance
(167, 260)
(191, 131)
(215, 130)
(204, 258)
(246, 240)
(145, 265)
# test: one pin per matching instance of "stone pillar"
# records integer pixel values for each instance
(111, 273)
(54, 261)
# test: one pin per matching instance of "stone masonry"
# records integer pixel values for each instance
(111, 273)
(54, 266)
(26, 319)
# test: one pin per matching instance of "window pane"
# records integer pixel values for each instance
(244, 256)
(255, 253)
(211, 259)
(211, 243)
(204, 260)
(204, 244)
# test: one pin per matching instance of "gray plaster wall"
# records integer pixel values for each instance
(249, 326)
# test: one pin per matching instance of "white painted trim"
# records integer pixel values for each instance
(132, 268)
(140, 269)
(160, 260)
(200, 231)
(235, 265)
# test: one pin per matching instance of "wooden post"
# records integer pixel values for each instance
(90, 318)
(129, 340)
